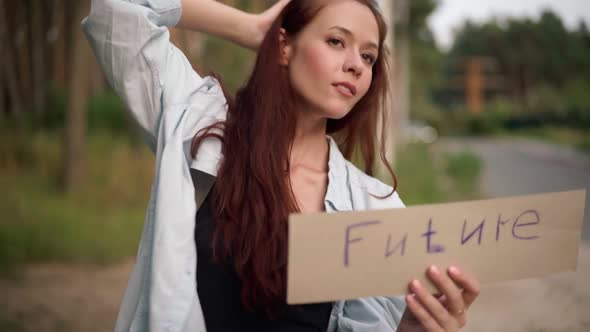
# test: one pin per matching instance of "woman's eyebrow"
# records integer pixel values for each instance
(349, 33)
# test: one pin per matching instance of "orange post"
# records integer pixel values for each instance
(474, 85)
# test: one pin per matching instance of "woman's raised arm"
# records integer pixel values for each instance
(130, 40)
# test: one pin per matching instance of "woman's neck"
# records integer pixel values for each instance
(310, 147)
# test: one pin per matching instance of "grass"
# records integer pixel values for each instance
(98, 223)
(417, 176)
(425, 177)
(463, 170)
(10, 325)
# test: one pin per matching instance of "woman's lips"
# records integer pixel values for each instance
(346, 88)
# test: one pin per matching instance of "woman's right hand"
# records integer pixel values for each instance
(445, 313)
(263, 22)
(220, 20)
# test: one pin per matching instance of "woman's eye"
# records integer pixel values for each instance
(370, 59)
(335, 42)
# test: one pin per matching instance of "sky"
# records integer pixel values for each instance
(452, 13)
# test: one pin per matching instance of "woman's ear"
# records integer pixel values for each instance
(285, 48)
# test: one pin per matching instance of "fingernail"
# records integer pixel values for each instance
(417, 284)
(434, 270)
(454, 270)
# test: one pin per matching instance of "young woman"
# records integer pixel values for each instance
(319, 83)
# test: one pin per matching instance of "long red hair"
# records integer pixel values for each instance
(252, 193)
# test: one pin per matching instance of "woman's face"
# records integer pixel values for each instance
(330, 61)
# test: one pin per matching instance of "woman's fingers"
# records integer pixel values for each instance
(469, 283)
(446, 311)
(265, 20)
(422, 315)
(275, 9)
(435, 309)
(268, 16)
(452, 295)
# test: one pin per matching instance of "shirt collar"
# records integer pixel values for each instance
(338, 194)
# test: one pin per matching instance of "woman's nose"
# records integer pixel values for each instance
(353, 64)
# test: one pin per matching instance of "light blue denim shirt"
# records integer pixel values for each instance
(171, 102)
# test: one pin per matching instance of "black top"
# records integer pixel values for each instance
(218, 286)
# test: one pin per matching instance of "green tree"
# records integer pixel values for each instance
(425, 61)
(529, 52)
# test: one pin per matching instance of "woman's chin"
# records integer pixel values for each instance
(332, 112)
(335, 111)
(337, 114)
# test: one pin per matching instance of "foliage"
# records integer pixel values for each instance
(231, 62)
(545, 70)
(425, 64)
(417, 176)
(99, 223)
(464, 169)
(105, 113)
(529, 52)
(420, 10)
(426, 177)
(548, 106)
(10, 325)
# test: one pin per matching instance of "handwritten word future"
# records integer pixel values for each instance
(522, 228)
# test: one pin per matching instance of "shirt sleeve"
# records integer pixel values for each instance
(372, 314)
(130, 39)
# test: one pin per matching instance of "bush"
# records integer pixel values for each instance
(482, 124)
(578, 99)
(417, 174)
(546, 106)
(425, 177)
(106, 112)
(464, 169)
(100, 222)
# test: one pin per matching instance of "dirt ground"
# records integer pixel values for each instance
(85, 298)
(51, 297)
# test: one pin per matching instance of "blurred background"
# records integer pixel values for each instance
(491, 99)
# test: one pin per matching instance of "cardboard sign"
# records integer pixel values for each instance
(376, 253)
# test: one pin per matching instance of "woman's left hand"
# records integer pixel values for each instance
(447, 312)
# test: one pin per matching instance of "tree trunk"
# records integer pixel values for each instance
(37, 54)
(3, 109)
(57, 41)
(75, 138)
(8, 67)
(23, 58)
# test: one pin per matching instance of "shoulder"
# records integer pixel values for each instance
(369, 193)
